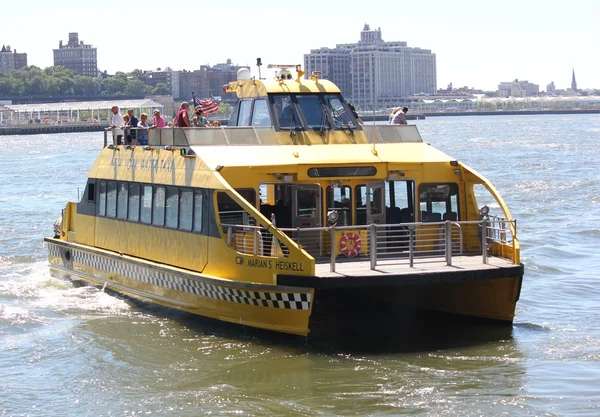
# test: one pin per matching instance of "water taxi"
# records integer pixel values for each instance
(294, 218)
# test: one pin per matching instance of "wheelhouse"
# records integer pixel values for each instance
(292, 112)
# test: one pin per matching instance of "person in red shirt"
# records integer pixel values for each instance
(182, 119)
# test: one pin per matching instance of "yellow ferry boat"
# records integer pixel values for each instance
(294, 218)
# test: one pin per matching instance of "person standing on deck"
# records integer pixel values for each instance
(133, 122)
(143, 133)
(182, 119)
(400, 117)
(115, 125)
(158, 121)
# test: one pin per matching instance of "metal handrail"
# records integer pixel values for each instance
(384, 247)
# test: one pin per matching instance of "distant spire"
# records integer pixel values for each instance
(573, 82)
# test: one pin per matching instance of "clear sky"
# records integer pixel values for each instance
(477, 43)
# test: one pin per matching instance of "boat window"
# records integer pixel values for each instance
(285, 111)
(438, 202)
(244, 118)
(102, 199)
(399, 202)
(146, 212)
(186, 210)
(360, 192)
(198, 197)
(91, 191)
(122, 197)
(312, 110)
(249, 195)
(230, 212)
(342, 172)
(234, 116)
(308, 202)
(341, 114)
(172, 207)
(260, 113)
(134, 202)
(339, 199)
(483, 197)
(111, 199)
(158, 210)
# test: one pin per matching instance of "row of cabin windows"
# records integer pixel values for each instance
(164, 206)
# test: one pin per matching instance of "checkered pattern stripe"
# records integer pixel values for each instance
(54, 250)
(291, 301)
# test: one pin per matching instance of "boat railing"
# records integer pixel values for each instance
(408, 243)
(235, 135)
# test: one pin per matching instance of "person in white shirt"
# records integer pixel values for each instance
(400, 117)
(115, 125)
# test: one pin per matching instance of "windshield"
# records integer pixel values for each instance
(312, 111)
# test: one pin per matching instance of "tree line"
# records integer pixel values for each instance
(60, 81)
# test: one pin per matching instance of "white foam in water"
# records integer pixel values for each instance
(33, 284)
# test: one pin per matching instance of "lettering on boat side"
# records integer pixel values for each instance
(143, 164)
(279, 265)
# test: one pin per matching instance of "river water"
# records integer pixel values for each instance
(67, 351)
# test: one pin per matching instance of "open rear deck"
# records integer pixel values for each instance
(397, 267)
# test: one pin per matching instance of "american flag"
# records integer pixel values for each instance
(207, 105)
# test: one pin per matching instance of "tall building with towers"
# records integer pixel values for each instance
(374, 71)
(11, 60)
(77, 56)
(573, 82)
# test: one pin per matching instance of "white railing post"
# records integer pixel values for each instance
(229, 236)
(332, 258)
(448, 238)
(411, 255)
(484, 230)
(373, 245)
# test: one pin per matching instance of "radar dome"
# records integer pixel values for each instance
(243, 74)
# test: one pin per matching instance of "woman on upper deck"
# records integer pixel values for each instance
(143, 124)
(199, 120)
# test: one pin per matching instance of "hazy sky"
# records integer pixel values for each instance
(477, 43)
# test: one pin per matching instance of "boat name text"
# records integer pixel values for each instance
(279, 265)
(142, 164)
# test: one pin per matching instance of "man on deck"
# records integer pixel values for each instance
(400, 117)
(115, 123)
(182, 119)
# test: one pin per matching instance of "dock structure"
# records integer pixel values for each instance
(85, 116)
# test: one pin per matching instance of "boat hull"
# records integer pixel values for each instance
(271, 307)
(299, 305)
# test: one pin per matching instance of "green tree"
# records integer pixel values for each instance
(161, 89)
(135, 87)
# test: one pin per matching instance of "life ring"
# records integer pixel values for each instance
(350, 244)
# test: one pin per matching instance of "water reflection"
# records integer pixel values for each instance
(192, 364)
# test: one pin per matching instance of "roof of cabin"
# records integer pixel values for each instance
(259, 88)
(264, 156)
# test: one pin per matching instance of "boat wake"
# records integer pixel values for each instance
(30, 297)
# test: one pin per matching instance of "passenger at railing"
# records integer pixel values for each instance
(116, 121)
(182, 119)
(133, 122)
(216, 123)
(143, 133)
(158, 121)
(392, 114)
(199, 120)
(400, 117)
(125, 127)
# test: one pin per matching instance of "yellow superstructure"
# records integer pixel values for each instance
(250, 223)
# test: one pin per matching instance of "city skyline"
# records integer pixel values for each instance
(536, 41)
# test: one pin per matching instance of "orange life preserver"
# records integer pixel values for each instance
(350, 244)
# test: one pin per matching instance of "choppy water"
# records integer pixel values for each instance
(67, 351)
